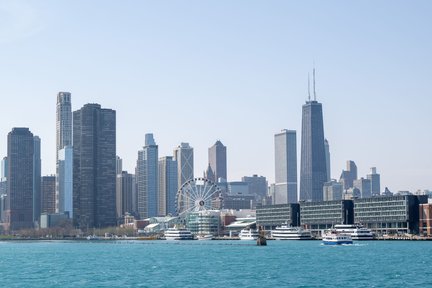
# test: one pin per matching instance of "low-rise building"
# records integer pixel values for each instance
(270, 216)
(318, 216)
(389, 214)
(425, 219)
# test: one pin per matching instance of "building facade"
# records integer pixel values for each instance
(63, 137)
(124, 194)
(364, 186)
(349, 175)
(332, 191)
(148, 179)
(168, 185)
(19, 202)
(313, 170)
(64, 182)
(389, 214)
(286, 167)
(94, 167)
(36, 179)
(375, 181)
(327, 155)
(318, 216)
(258, 185)
(217, 156)
(184, 156)
(48, 195)
(425, 219)
(270, 216)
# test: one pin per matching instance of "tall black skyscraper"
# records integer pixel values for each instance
(19, 202)
(94, 167)
(313, 170)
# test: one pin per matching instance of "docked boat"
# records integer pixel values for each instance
(205, 237)
(178, 234)
(357, 231)
(335, 238)
(290, 233)
(249, 234)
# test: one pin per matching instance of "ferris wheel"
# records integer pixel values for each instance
(198, 194)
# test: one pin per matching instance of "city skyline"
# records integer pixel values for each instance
(371, 78)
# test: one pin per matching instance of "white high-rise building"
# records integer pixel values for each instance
(286, 167)
(184, 156)
(147, 179)
(63, 139)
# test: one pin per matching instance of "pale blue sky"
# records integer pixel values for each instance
(198, 71)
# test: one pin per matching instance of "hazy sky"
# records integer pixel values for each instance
(199, 71)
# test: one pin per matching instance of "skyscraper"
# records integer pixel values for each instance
(375, 182)
(36, 178)
(348, 176)
(313, 170)
(19, 202)
(327, 154)
(63, 139)
(48, 194)
(364, 186)
(147, 179)
(258, 185)
(218, 161)
(183, 155)
(125, 187)
(286, 167)
(168, 185)
(64, 180)
(94, 167)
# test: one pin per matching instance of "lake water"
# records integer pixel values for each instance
(214, 264)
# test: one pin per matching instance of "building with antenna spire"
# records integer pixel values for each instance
(313, 166)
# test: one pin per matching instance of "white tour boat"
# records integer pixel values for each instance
(290, 233)
(334, 238)
(357, 232)
(178, 234)
(249, 234)
(205, 237)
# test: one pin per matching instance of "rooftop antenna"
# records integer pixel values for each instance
(309, 86)
(314, 92)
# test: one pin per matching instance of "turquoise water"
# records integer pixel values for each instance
(214, 264)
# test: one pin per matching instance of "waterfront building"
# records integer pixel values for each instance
(332, 191)
(48, 195)
(257, 185)
(364, 186)
(3, 187)
(63, 139)
(205, 222)
(168, 185)
(327, 155)
(64, 182)
(313, 166)
(389, 214)
(217, 155)
(36, 179)
(286, 167)
(374, 179)
(94, 167)
(19, 202)
(318, 216)
(270, 216)
(53, 220)
(348, 176)
(184, 156)
(425, 219)
(124, 194)
(147, 179)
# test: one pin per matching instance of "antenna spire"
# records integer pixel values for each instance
(309, 87)
(314, 92)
